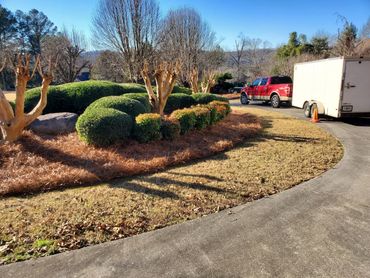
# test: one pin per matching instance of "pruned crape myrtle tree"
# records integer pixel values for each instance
(208, 82)
(193, 80)
(12, 123)
(165, 77)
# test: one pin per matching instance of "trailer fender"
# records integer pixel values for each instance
(320, 106)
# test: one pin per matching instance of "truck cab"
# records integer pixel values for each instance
(273, 89)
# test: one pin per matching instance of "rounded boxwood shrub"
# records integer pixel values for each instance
(147, 127)
(170, 128)
(202, 98)
(58, 100)
(73, 97)
(186, 118)
(121, 103)
(103, 127)
(143, 98)
(212, 114)
(181, 90)
(133, 88)
(222, 109)
(202, 116)
(178, 101)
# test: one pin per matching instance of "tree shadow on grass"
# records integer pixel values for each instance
(200, 144)
(136, 185)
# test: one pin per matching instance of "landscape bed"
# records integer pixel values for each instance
(264, 164)
(36, 163)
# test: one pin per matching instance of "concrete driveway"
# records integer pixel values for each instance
(320, 228)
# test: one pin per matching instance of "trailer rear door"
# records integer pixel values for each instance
(356, 87)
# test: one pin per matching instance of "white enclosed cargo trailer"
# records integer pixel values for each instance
(336, 87)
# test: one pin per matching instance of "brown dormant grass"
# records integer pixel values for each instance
(287, 152)
(10, 95)
(37, 163)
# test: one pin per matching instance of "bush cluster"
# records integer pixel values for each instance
(76, 97)
(170, 128)
(178, 101)
(112, 112)
(181, 90)
(147, 127)
(202, 98)
(222, 109)
(143, 98)
(103, 127)
(186, 118)
(121, 103)
(202, 117)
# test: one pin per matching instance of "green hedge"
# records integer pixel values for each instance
(222, 109)
(178, 101)
(202, 116)
(143, 98)
(170, 128)
(181, 90)
(77, 96)
(147, 127)
(212, 114)
(103, 127)
(202, 98)
(121, 103)
(186, 118)
(133, 87)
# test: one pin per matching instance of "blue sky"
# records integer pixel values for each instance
(269, 20)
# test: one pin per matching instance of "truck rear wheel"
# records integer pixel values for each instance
(307, 110)
(275, 101)
(244, 99)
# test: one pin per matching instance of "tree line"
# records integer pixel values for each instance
(129, 33)
(32, 32)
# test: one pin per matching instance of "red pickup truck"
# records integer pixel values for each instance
(274, 89)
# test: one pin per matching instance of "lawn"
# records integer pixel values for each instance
(286, 153)
(10, 95)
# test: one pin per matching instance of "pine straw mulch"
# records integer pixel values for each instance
(231, 96)
(287, 152)
(37, 163)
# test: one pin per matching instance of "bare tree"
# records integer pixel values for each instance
(250, 57)
(184, 36)
(193, 80)
(108, 66)
(257, 56)
(129, 27)
(71, 60)
(365, 30)
(239, 54)
(165, 77)
(69, 46)
(347, 39)
(209, 80)
(12, 123)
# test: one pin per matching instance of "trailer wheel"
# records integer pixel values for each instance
(244, 99)
(312, 110)
(275, 101)
(307, 110)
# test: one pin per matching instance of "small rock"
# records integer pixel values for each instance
(55, 123)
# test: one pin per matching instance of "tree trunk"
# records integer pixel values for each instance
(165, 77)
(12, 124)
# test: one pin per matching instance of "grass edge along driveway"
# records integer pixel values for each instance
(288, 152)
